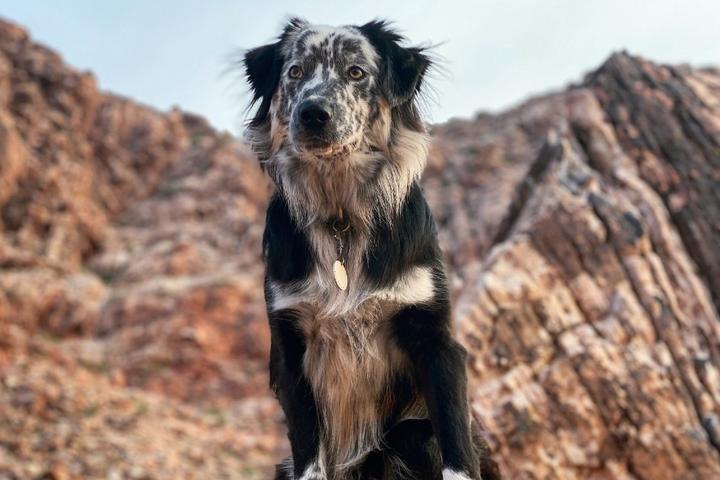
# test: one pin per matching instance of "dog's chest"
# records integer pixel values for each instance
(350, 361)
(351, 358)
(345, 349)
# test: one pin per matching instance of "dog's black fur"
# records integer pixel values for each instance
(424, 366)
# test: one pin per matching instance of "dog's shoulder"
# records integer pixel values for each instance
(409, 241)
(286, 248)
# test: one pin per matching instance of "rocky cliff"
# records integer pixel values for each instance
(581, 229)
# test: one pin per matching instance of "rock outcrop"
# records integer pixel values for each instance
(581, 229)
(593, 333)
(133, 341)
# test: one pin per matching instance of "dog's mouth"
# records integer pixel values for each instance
(324, 148)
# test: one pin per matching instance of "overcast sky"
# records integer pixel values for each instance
(497, 52)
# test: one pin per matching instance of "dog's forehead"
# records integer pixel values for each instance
(325, 42)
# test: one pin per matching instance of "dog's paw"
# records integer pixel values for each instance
(449, 474)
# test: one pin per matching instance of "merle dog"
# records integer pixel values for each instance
(363, 362)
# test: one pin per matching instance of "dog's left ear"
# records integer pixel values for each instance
(402, 68)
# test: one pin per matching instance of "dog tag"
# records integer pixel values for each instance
(341, 278)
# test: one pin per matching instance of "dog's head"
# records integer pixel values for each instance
(326, 92)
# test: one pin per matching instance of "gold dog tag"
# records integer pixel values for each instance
(341, 278)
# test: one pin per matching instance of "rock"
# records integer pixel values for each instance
(581, 229)
(592, 330)
(129, 257)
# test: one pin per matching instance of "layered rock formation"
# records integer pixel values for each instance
(582, 232)
(131, 310)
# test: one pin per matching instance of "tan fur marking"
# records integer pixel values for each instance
(350, 362)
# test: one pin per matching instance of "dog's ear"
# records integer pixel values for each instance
(405, 69)
(401, 68)
(263, 67)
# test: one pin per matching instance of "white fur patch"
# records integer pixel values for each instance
(284, 298)
(416, 286)
(314, 471)
(449, 474)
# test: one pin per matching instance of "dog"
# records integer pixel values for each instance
(362, 359)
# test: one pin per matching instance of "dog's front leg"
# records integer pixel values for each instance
(423, 333)
(295, 395)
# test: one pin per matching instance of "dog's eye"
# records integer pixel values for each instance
(355, 73)
(295, 72)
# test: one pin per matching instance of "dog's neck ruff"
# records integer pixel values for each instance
(368, 184)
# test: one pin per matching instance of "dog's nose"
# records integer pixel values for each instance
(314, 115)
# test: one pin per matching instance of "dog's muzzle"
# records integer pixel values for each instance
(315, 125)
(315, 116)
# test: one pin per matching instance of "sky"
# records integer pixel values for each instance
(494, 53)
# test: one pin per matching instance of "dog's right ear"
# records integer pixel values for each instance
(263, 66)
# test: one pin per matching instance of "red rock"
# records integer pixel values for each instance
(580, 230)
